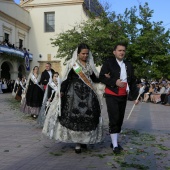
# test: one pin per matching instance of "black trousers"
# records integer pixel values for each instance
(166, 99)
(163, 96)
(116, 106)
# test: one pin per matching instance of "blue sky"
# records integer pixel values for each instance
(160, 7)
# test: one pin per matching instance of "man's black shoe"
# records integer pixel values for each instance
(84, 146)
(77, 150)
(111, 145)
(120, 148)
(116, 150)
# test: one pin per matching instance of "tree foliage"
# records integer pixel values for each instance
(148, 41)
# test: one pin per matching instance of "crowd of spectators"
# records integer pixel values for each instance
(157, 92)
(10, 45)
(6, 86)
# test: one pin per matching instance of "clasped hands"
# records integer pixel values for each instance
(119, 83)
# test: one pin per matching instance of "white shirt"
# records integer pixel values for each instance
(50, 79)
(123, 73)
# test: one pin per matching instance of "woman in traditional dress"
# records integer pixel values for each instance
(80, 119)
(33, 95)
(21, 88)
(16, 85)
(48, 97)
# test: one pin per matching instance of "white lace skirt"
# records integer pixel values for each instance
(54, 130)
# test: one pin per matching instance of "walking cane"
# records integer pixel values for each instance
(140, 92)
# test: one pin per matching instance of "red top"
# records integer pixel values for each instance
(121, 91)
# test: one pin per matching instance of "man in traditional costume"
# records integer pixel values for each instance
(120, 82)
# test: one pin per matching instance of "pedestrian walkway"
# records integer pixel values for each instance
(145, 138)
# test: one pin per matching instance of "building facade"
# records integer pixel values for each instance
(14, 27)
(34, 22)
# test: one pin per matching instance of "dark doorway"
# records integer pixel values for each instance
(21, 71)
(5, 71)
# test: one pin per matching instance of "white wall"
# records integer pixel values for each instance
(15, 11)
(36, 39)
(65, 18)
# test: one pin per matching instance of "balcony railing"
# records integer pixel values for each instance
(12, 51)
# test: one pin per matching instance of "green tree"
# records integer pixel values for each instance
(148, 48)
(99, 34)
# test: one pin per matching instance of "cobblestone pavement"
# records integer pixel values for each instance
(145, 138)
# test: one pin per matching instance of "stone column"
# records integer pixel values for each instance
(14, 75)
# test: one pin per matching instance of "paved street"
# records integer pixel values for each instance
(145, 138)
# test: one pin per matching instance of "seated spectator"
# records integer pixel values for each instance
(168, 103)
(166, 97)
(145, 90)
(163, 95)
(147, 95)
(157, 87)
(156, 96)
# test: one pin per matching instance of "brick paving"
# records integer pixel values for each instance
(145, 138)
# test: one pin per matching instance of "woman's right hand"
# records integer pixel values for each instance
(107, 75)
(61, 94)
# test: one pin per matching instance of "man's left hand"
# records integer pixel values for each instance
(136, 102)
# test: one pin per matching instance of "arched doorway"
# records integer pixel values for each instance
(21, 71)
(5, 70)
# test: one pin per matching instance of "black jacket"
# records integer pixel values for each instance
(111, 66)
(45, 77)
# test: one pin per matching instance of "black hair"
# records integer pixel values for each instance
(82, 46)
(121, 44)
(35, 67)
(54, 74)
(49, 64)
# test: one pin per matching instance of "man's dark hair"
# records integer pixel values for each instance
(49, 64)
(121, 44)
